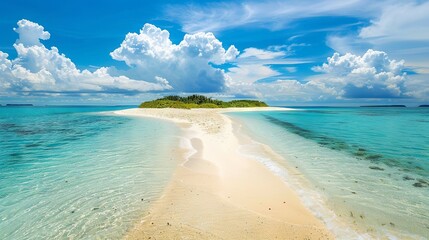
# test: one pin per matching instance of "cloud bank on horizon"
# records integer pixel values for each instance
(200, 63)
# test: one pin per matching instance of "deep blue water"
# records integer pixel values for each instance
(78, 172)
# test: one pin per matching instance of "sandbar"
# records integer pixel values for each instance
(218, 193)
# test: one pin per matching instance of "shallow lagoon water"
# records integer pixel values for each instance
(370, 166)
(75, 172)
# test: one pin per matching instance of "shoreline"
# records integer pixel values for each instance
(214, 193)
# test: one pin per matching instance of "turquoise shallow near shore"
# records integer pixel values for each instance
(77, 173)
(369, 165)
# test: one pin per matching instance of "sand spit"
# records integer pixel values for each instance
(217, 193)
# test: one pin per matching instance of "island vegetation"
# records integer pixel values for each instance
(19, 105)
(199, 101)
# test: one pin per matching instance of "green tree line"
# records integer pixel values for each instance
(198, 101)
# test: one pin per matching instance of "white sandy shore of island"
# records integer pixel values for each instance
(218, 193)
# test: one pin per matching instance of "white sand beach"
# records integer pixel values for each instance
(218, 193)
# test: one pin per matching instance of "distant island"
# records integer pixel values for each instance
(424, 105)
(384, 106)
(19, 105)
(198, 101)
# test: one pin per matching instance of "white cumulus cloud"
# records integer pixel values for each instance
(372, 75)
(348, 76)
(39, 69)
(30, 33)
(398, 27)
(188, 66)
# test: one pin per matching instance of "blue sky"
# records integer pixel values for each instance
(282, 52)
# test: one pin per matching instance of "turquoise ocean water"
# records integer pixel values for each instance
(81, 173)
(370, 166)
(78, 173)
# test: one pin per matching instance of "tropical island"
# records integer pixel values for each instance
(199, 101)
(382, 106)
